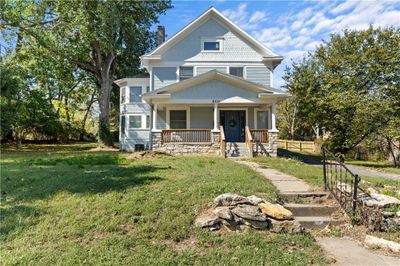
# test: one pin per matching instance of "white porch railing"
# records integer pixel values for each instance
(186, 135)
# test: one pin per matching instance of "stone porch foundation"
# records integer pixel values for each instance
(212, 148)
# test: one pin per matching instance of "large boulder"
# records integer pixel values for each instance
(223, 213)
(275, 211)
(249, 212)
(230, 199)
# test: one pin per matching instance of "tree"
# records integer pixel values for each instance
(350, 85)
(102, 38)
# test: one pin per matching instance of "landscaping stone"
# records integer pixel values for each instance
(380, 200)
(223, 213)
(207, 219)
(249, 212)
(291, 226)
(230, 199)
(254, 200)
(380, 242)
(275, 211)
(258, 224)
(238, 213)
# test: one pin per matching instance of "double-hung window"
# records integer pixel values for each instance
(177, 119)
(185, 73)
(135, 121)
(135, 94)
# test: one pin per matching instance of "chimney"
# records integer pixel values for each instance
(160, 35)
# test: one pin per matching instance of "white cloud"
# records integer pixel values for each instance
(301, 28)
(344, 6)
(243, 18)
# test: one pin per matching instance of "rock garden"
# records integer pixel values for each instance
(235, 212)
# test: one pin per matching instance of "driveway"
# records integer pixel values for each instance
(316, 160)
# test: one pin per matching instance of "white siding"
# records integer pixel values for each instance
(259, 75)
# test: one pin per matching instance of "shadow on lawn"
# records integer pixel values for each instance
(305, 158)
(44, 177)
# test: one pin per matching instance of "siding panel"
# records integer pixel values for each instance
(261, 75)
(201, 117)
(163, 76)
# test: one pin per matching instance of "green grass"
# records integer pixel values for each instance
(73, 207)
(314, 175)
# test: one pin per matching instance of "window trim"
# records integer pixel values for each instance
(242, 67)
(140, 95)
(212, 39)
(179, 74)
(168, 118)
(266, 109)
(129, 121)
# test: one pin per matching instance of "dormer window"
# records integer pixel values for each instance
(211, 45)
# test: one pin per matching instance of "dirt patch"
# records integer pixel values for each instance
(103, 148)
(145, 155)
(182, 245)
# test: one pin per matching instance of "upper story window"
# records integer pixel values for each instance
(185, 73)
(236, 71)
(211, 45)
(135, 94)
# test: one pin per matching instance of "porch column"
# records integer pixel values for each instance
(155, 107)
(215, 117)
(273, 117)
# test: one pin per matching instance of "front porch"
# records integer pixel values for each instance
(214, 129)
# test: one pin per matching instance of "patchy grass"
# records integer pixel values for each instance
(313, 174)
(75, 207)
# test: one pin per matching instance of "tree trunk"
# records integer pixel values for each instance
(105, 136)
(394, 152)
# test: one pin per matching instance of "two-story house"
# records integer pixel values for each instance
(209, 90)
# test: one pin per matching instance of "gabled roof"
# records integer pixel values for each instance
(215, 75)
(266, 53)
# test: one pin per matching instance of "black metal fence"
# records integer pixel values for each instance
(341, 182)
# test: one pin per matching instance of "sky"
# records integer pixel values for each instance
(290, 28)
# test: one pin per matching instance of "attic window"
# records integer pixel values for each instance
(212, 44)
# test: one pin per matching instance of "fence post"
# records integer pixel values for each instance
(300, 145)
(286, 145)
(354, 206)
(324, 169)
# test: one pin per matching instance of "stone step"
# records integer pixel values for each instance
(310, 209)
(317, 221)
(305, 195)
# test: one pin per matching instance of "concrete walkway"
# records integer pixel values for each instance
(283, 182)
(348, 252)
(345, 251)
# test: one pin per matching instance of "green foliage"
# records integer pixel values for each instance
(349, 86)
(89, 40)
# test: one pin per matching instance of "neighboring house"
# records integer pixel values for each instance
(209, 90)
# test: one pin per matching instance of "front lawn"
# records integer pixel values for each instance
(83, 207)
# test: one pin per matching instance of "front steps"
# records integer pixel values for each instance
(313, 209)
(236, 149)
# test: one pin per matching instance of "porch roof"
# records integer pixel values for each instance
(261, 90)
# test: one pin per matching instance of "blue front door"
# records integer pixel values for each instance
(233, 123)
